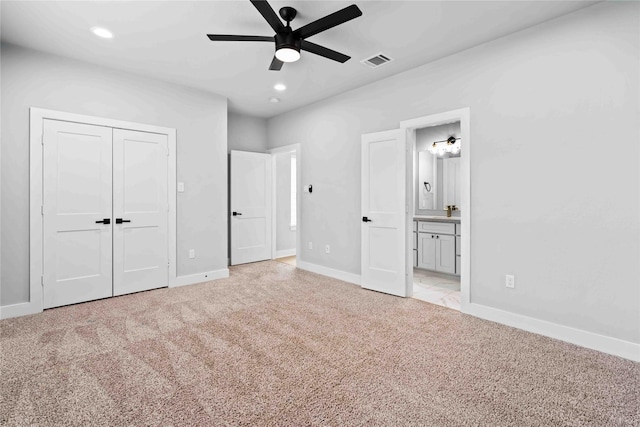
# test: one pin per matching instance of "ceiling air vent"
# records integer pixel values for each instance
(376, 60)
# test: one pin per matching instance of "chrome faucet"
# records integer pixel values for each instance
(451, 208)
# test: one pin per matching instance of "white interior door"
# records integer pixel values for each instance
(250, 206)
(77, 228)
(384, 212)
(140, 211)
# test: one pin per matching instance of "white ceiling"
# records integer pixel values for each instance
(166, 40)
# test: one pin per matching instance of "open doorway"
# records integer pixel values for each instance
(436, 162)
(441, 208)
(285, 172)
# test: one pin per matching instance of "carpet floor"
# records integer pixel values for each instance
(274, 345)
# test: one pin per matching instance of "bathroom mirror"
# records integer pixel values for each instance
(437, 174)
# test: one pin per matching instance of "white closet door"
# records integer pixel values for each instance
(140, 211)
(251, 207)
(77, 212)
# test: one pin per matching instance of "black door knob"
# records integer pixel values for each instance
(365, 219)
(236, 213)
(104, 221)
(120, 220)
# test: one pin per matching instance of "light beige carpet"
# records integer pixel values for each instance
(273, 345)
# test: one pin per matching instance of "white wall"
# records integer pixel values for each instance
(247, 133)
(285, 237)
(33, 79)
(549, 105)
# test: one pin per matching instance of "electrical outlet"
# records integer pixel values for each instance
(327, 249)
(181, 187)
(510, 281)
(192, 253)
(310, 245)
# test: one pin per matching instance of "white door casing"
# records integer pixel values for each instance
(250, 207)
(77, 175)
(140, 241)
(384, 245)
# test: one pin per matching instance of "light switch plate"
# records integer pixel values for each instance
(181, 187)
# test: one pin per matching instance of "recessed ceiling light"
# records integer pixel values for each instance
(273, 99)
(102, 32)
(280, 87)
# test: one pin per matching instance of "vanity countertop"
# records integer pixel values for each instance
(437, 218)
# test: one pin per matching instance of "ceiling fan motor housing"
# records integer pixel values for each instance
(286, 40)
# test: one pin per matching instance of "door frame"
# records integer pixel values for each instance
(297, 148)
(36, 123)
(461, 115)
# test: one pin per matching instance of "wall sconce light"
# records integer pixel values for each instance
(450, 145)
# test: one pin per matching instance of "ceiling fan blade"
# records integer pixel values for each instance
(323, 51)
(268, 14)
(231, 38)
(276, 64)
(329, 21)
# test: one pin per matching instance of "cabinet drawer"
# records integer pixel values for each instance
(458, 245)
(436, 227)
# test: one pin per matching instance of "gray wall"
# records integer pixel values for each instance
(32, 79)
(549, 106)
(247, 133)
(244, 133)
(285, 238)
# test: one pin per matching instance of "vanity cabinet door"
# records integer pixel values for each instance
(427, 251)
(445, 248)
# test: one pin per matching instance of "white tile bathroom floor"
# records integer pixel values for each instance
(440, 289)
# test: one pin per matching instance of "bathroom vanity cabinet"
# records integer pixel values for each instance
(436, 246)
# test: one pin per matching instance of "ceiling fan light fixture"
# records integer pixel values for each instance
(287, 54)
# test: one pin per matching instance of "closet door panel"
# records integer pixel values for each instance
(77, 204)
(140, 211)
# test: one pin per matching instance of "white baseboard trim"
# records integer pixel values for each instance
(285, 252)
(21, 309)
(192, 279)
(609, 345)
(330, 272)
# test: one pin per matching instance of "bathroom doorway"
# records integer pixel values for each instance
(441, 208)
(436, 162)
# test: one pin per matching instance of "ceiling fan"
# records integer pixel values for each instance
(288, 42)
